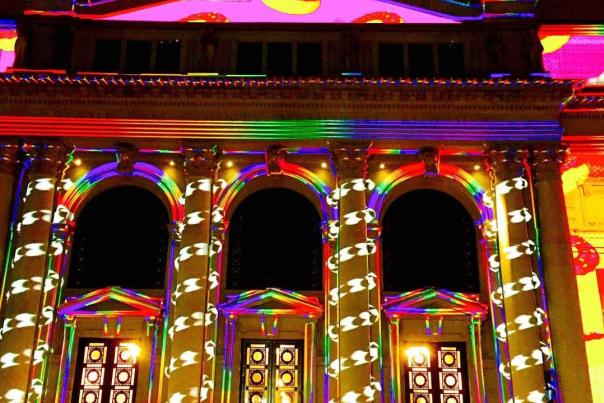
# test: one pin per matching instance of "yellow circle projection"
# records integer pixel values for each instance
(420, 380)
(95, 355)
(90, 398)
(296, 7)
(421, 400)
(256, 377)
(287, 356)
(286, 378)
(93, 376)
(125, 355)
(121, 398)
(449, 359)
(451, 400)
(257, 356)
(256, 399)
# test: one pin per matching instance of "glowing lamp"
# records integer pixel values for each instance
(418, 356)
(382, 165)
(77, 162)
(477, 167)
(229, 164)
(323, 165)
(132, 351)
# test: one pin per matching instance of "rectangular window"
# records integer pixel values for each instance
(168, 57)
(107, 55)
(106, 371)
(451, 60)
(421, 62)
(391, 62)
(279, 59)
(310, 59)
(271, 371)
(249, 58)
(138, 57)
(436, 373)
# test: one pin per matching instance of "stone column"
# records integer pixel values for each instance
(560, 281)
(8, 177)
(357, 349)
(187, 383)
(523, 317)
(27, 275)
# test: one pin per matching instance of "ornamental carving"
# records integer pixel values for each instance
(431, 159)
(275, 159)
(9, 158)
(547, 162)
(202, 160)
(47, 158)
(506, 162)
(350, 160)
(126, 157)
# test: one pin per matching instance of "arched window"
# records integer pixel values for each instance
(275, 241)
(121, 239)
(429, 240)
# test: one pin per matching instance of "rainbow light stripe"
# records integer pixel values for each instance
(419, 302)
(77, 194)
(251, 302)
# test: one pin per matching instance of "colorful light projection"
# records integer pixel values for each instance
(288, 11)
(564, 45)
(24, 307)
(256, 303)
(133, 305)
(8, 39)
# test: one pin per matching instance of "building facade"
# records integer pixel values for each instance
(292, 211)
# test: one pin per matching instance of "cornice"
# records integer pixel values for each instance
(182, 97)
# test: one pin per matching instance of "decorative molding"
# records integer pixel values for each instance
(47, 157)
(9, 157)
(202, 159)
(126, 157)
(431, 159)
(275, 158)
(350, 159)
(271, 301)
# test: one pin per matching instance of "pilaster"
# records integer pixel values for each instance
(560, 278)
(359, 349)
(520, 330)
(192, 311)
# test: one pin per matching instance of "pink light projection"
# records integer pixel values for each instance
(573, 51)
(8, 37)
(287, 11)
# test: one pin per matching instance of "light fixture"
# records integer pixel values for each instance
(323, 165)
(229, 164)
(133, 349)
(77, 162)
(418, 355)
(477, 167)
(172, 163)
(382, 165)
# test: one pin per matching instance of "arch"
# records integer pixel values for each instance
(230, 195)
(81, 190)
(121, 239)
(429, 240)
(384, 191)
(270, 246)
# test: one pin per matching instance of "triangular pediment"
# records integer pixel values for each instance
(433, 302)
(111, 301)
(271, 301)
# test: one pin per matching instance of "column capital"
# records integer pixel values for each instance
(9, 157)
(202, 159)
(504, 162)
(547, 162)
(350, 159)
(48, 157)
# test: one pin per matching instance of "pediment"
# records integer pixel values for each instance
(109, 302)
(433, 302)
(271, 301)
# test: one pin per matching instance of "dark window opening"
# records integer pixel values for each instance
(429, 240)
(309, 59)
(107, 55)
(451, 60)
(391, 59)
(275, 241)
(168, 57)
(279, 59)
(138, 57)
(421, 62)
(249, 58)
(121, 239)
